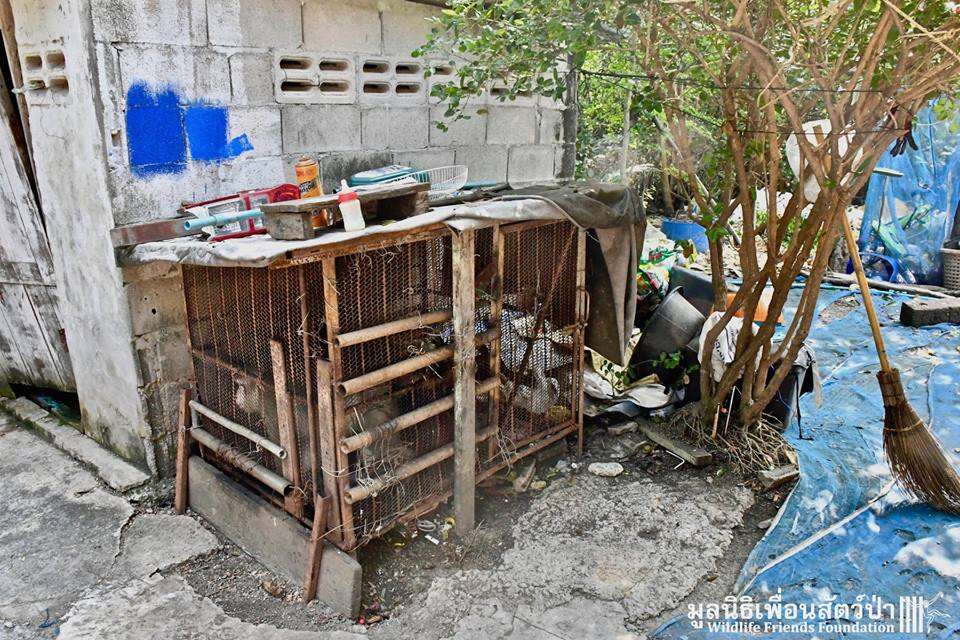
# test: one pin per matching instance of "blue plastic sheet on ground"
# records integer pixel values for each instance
(847, 537)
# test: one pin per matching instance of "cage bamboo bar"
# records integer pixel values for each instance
(240, 430)
(224, 451)
(365, 333)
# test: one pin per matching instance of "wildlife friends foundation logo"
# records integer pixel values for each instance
(870, 615)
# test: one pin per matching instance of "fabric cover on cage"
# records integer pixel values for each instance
(924, 200)
(611, 214)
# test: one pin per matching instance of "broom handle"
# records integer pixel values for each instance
(865, 290)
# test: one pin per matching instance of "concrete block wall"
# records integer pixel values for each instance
(192, 99)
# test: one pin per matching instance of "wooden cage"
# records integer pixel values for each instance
(388, 373)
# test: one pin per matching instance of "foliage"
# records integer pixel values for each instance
(727, 83)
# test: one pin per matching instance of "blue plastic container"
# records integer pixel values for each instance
(685, 230)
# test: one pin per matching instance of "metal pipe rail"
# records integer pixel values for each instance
(239, 429)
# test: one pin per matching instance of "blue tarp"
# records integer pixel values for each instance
(846, 534)
(924, 199)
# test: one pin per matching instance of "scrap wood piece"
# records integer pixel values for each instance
(772, 478)
(133, 234)
(694, 455)
(317, 535)
(181, 488)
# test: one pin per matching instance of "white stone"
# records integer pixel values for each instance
(605, 469)
(182, 22)
(425, 158)
(251, 78)
(468, 131)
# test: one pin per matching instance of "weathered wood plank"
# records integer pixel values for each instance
(465, 367)
(182, 482)
(46, 307)
(26, 333)
(328, 446)
(331, 299)
(287, 428)
(694, 455)
(317, 534)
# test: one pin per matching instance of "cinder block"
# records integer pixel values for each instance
(308, 77)
(254, 23)
(530, 164)
(405, 26)
(255, 173)
(195, 74)
(251, 78)
(550, 126)
(155, 304)
(395, 127)
(272, 537)
(388, 80)
(342, 26)
(469, 131)
(484, 163)
(511, 125)
(339, 166)
(261, 125)
(425, 158)
(182, 22)
(922, 312)
(318, 128)
(164, 355)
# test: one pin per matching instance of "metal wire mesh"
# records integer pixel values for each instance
(539, 364)
(234, 313)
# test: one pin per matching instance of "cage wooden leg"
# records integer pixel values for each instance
(181, 495)
(582, 310)
(288, 430)
(328, 444)
(332, 310)
(312, 426)
(496, 317)
(317, 535)
(465, 397)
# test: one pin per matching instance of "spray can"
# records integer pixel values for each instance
(308, 179)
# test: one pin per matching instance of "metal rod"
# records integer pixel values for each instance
(401, 422)
(390, 328)
(229, 454)
(240, 430)
(355, 494)
(402, 368)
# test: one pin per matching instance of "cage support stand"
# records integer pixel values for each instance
(464, 394)
(317, 534)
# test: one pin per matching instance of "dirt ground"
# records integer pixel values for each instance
(402, 567)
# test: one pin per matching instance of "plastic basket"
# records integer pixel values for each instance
(951, 267)
(442, 180)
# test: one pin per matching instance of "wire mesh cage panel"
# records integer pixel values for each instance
(541, 341)
(354, 349)
(233, 315)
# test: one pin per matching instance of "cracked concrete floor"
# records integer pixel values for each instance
(590, 557)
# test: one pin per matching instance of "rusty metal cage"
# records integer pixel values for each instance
(345, 359)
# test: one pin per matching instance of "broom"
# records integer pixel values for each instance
(916, 459)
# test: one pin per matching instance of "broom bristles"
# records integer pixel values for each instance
(916, 458)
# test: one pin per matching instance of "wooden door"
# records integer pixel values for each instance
(32, 346)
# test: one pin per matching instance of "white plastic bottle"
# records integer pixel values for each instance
(350, 209)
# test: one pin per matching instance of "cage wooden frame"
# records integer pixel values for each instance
(308, 374)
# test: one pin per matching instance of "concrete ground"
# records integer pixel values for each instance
(584, 557)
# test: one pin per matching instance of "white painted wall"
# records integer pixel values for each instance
(126, 331)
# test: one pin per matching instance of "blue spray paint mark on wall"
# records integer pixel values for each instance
(164, 132)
